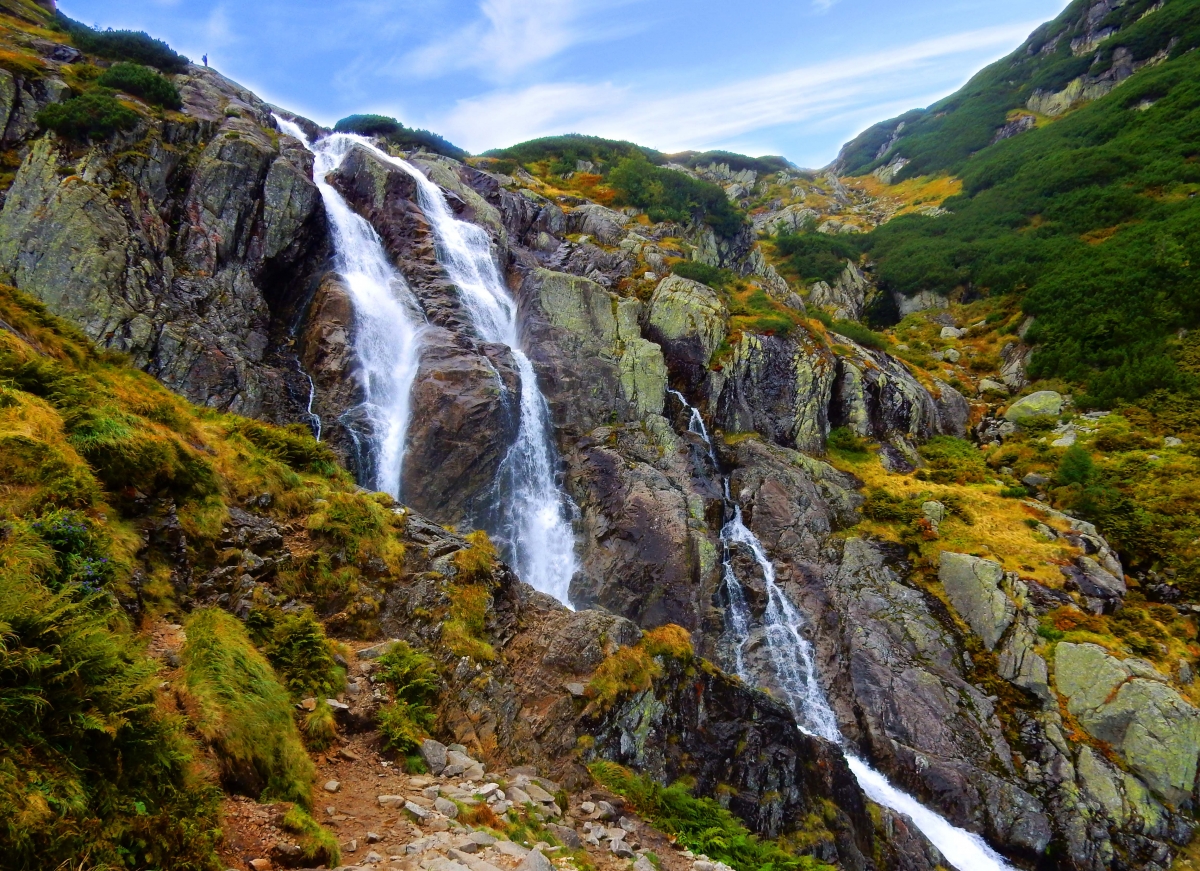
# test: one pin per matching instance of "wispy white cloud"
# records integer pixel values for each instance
(509, 36)
(824, 5)
(706, 117)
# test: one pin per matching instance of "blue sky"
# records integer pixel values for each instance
(790, 77)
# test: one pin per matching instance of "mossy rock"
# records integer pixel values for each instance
(1040, 405)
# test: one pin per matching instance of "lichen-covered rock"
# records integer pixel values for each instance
(688, 320)
(845, 298)
(1044, 403)
(794, 390)
(973, 585)
(1155, 730)
(591, 351)
(602, 224)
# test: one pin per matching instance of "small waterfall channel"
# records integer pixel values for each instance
(795, 673)
(387, 319)
(534, 525)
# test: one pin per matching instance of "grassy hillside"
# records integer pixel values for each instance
(943, 137)
(111, 488)
(1090, 224)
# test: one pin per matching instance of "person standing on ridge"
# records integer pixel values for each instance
(206, 60)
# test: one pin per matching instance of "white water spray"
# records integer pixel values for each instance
(534, 527)
(795, 674)
(387, 318)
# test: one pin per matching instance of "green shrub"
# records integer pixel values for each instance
(243, 711)
(92, 115)
(299, 650)
(396, 133)
(141, 82)
(412, 678)
(703, 273)
(700, 824)
(669, 195)
(1075, 467)
(844, 440)
(81, 553)
(952, 461)
(818, 256)
(859, 334)
(124, 45)
(91, 771)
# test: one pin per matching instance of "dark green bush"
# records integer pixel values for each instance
(563, 152)
(92, 115)
(299, 650)
(763, 165)
(1075, 467)
(847, 441)
(670, 195)
(126, 45)
(396, 133)
(952, 461)
(818, 256)
(141, 82)
(80, 552)
(703, 273)
(859, 334)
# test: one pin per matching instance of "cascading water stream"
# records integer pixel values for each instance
(534, 526)
(387, 318)
(795, 672)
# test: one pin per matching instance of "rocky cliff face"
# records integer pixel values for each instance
(198, 245)
(190, 243)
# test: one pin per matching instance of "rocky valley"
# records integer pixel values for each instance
(573, 506)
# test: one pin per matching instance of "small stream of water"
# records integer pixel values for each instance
(794, 672)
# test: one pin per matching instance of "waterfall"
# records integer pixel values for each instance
(387, 319)
(314, 419)
(792, 660)
(533, 526)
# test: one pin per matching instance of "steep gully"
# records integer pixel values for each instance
(533, 523)
(791, 658)
(531, 517)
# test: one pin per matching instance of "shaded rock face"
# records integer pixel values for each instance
(794, 391)
(689, 320)
(646, 551)
(727, 736)
(192, 245)
(466, 397)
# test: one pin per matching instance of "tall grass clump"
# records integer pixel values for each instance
(90, 768)
(700, 824)
(243, 711)
(412, 678)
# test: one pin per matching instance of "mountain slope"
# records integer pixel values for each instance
(1090, 223)
(1090, 48)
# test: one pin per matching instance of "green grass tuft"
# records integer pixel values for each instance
(700, 824)
(243, 711)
